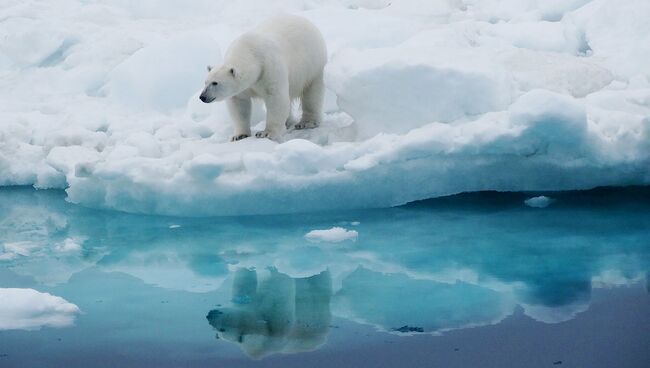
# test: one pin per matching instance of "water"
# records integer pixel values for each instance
(470, 280)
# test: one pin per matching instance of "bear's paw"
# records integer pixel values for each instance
(239, 137)
(306, 124)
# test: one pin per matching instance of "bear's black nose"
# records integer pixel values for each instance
(203, 98)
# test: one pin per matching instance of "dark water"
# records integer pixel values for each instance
(476, 280)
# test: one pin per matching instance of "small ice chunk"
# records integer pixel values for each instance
(333, 235)
(538, 202)
(28, 309)
(174, 226)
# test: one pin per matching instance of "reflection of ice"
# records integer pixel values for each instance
(25, 230)
(274, 313)
(556, 313)
(15, 249)
(618, 276)
(20, 222)
(170, 268)
(390, 301)
(36, 239)
(70, 245)
(554, 299)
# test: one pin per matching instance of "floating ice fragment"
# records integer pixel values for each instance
(333, 235)
(28, 309)
(538, 202)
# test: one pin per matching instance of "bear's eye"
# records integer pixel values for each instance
(214, 83)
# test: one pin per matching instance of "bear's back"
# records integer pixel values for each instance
(301, 44)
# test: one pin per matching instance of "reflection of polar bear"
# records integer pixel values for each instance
(277, 314)
(281, 60)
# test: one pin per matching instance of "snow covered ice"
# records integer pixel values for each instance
(441, 97)
(28, 309)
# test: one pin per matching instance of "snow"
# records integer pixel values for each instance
(382, 88)
(333, 235)
(425, 99)
(137, 84)
(538, 202)
(28, 309)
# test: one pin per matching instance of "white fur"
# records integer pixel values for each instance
(279, 61)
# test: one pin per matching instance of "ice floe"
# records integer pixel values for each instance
(425, 99)
(28, 309)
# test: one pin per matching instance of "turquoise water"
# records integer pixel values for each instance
(470, 280)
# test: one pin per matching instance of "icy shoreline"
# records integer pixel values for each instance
(426, 99)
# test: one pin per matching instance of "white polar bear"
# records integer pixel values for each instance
(279, 61)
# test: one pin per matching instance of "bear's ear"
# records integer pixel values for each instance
(232, 71)
(209, 68)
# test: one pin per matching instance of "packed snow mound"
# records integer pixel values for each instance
(163, 75)
(28, 309)
(425, 98)
(397, 89)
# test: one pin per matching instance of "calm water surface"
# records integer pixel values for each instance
(475, 280)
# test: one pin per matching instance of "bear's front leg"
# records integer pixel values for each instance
(240, 113)
(278, 108)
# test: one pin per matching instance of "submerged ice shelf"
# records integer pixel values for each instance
(442, 97)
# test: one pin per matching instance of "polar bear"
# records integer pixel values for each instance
(279, 61)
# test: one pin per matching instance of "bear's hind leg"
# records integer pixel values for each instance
(240, 113)
(312, 104)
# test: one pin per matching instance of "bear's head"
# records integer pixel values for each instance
(224, 82)
(220, 84)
